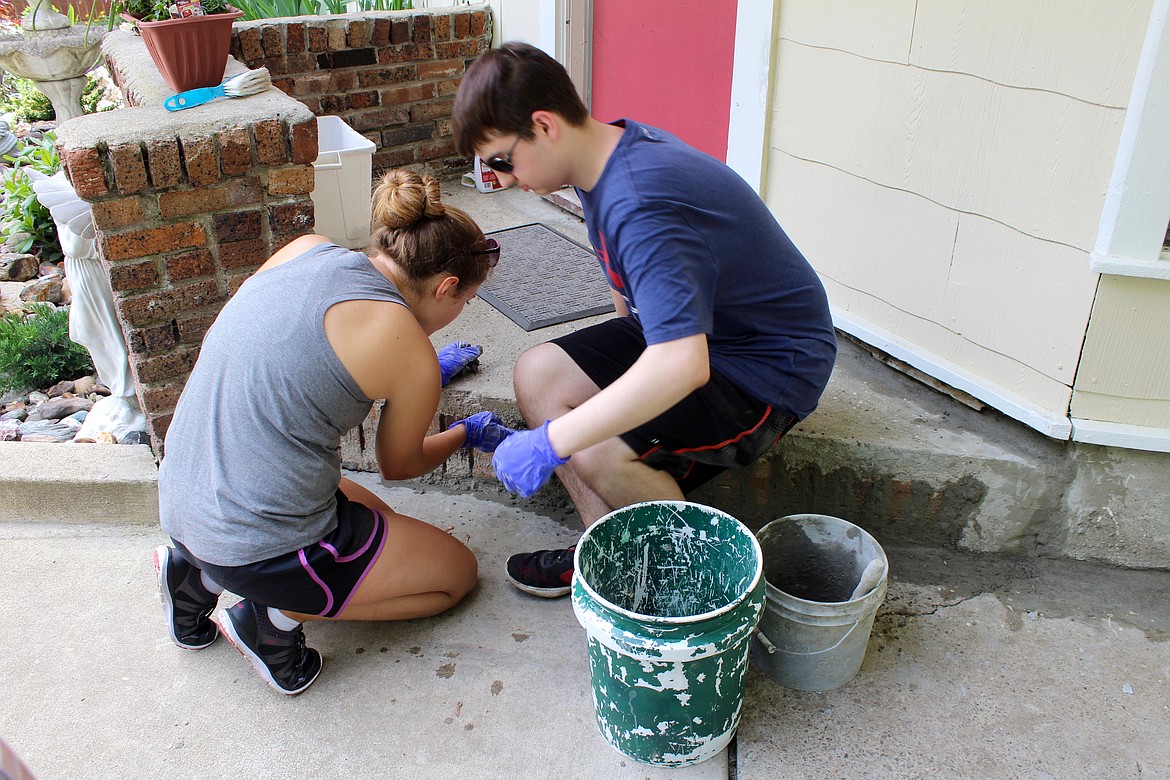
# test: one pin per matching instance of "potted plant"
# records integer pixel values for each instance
(190, 51)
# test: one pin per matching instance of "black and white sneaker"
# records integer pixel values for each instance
(187, 605)
(544, 573)
(279, 657)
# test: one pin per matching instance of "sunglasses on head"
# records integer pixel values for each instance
(502, 163)
(492, 251)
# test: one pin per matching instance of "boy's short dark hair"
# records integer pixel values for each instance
(503, 87)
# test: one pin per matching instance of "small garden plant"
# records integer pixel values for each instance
(23, 100)
(25, 224)
(160, 10)
(35, 350)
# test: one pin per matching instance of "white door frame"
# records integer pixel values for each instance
(751, 90)
(566, 34)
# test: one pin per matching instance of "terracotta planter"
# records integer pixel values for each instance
(190, 52)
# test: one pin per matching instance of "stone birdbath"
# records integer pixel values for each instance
(54, 54)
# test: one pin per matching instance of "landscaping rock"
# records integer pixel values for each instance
(61, 388)
(10, 296)
(46, 431)
(18, 268)
(47, 289)
(86, 385)
(56, 408)
(18, 414)
(9, 430)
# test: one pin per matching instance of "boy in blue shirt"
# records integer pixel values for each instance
(723, 340)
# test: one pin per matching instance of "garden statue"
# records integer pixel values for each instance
(93, 322)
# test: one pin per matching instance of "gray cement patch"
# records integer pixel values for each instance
(972, 691)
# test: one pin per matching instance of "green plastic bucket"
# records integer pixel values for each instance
(669, 593)
(825, 579)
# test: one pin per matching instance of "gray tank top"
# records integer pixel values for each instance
(252, 459)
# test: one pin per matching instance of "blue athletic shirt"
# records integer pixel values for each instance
(692, 249)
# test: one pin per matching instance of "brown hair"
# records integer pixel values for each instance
(503, 87)
(421, 235)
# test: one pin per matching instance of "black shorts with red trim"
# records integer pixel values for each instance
(712, 429)
(320, 578)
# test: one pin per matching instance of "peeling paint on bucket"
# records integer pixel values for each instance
(669, 593)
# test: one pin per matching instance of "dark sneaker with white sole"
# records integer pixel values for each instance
(187, 605)
(279, 657)
(544, 573)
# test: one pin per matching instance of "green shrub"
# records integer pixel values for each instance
(24, 222)
(21, 98)
(35, 350)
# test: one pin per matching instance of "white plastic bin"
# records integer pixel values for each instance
(342, 173)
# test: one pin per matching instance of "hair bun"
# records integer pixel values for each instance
(405, 197)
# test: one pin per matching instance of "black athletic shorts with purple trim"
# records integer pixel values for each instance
(712, 429)
(319, 579)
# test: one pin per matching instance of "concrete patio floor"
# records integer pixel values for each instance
(976, 668)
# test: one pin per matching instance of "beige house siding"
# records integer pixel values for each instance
(944, 166)
(1125, 369)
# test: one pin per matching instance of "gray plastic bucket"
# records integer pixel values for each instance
(825, 579)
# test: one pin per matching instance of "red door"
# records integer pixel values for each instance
(666, 63)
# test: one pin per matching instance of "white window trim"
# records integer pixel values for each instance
(1137, 203)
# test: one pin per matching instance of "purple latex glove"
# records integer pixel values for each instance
(485, 431)
(456, 357)
(525, 461)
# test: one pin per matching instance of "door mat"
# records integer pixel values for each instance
(544, 278)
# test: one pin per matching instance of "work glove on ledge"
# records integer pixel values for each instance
(457, 357)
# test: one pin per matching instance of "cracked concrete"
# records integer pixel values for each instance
(977, 667)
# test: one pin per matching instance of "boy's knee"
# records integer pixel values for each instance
(533, 380)
(532, 366)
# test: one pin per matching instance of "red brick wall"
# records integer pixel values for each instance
(189, 212)
(182, 224)
(390, 76)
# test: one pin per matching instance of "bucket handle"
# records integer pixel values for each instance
(772, 649)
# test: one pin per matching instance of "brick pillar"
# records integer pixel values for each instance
(183, 220)
(189, 203)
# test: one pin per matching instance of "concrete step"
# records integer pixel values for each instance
(67, 483)
(910, 464)
(906, 462)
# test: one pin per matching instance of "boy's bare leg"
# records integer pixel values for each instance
(600, 478)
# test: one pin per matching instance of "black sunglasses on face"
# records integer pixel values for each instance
(492, 251)
(502, 163)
